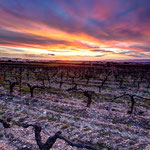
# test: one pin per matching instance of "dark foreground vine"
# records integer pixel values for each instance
(5, 124)
(51, 140)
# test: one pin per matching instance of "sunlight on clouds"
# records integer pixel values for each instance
(100, 31)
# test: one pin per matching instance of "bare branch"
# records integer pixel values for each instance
(51, 140)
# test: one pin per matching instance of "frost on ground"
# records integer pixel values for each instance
(97, 126)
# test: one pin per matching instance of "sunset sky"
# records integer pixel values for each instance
(75, 29)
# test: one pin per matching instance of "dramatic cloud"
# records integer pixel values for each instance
(100, 55)
(52, 54)
(66, 29)
(145, 48)
(10, 37)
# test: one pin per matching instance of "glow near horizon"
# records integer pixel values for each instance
(95, 33)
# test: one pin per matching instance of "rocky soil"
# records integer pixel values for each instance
(106, 125)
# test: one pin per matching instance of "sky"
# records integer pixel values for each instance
(75, 29)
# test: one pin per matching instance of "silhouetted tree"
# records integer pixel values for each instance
(103, 81)
(11, 85)
(88, 94)
(132, 99)
(61, 79)
(32, 88)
